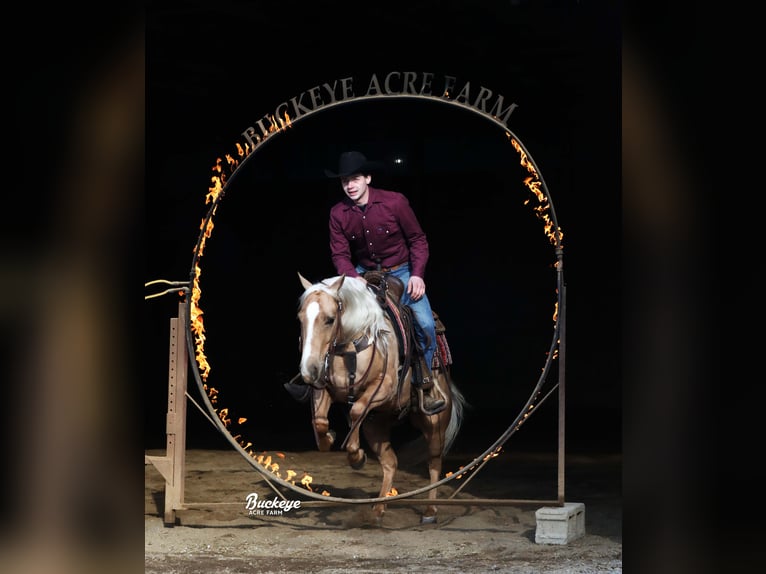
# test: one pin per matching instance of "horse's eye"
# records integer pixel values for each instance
(329, 321)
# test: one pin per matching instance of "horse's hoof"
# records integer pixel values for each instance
(378, 510)
(325, 442)
(358, 465)
(428, 519)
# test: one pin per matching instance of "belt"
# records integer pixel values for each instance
(392, 268)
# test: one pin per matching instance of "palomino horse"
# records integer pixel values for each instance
(350, 353)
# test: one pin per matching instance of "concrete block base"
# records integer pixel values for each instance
(560, 524)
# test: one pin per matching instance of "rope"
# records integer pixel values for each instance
(207, 416)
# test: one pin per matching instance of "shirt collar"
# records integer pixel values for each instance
(371, 198)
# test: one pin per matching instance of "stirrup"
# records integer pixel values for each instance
(435, 405)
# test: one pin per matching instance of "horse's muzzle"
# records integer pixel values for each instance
(310, 375)
(314, 373)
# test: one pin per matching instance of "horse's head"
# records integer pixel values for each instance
(319, 316)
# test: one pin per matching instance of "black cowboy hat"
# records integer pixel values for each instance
(352, 162)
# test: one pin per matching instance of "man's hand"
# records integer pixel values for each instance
(416, 287)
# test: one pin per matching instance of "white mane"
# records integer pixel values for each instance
(362, 313)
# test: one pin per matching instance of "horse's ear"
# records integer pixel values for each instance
(305, 282)
(338, 283)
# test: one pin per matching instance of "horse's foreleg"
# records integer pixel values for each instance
(378, 432)
(355, 453)
(320, 407)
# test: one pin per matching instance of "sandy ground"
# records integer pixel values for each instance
(215, 533)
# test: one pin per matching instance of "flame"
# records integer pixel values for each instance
(492, 454)
(450, 473)
(215, 193)
(526, 416)
(392, 492)
(286, 123)
(233, 163)
(198, 328)
(535, 186)
(218, 180)
(223, 414)
(325, 493)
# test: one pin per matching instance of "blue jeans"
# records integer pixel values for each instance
(425, 327)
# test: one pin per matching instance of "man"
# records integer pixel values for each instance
(376, 229)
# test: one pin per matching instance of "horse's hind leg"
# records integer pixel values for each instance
(320, 407)
(434, 472)
(433, 429)
(377, 431)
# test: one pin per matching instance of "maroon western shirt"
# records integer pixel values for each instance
(386, 229)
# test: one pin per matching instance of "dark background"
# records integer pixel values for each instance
(86, 211)
(213, 71)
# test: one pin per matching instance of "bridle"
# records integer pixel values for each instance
(341, 349)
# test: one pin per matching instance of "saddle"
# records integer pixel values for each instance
(388, 291)
(383, 285)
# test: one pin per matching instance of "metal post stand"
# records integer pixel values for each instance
(562, 396)
(172, 466)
